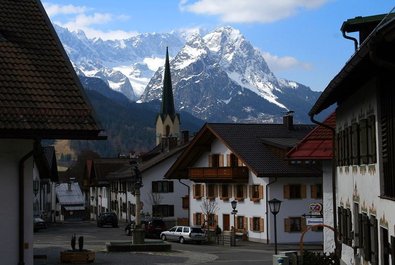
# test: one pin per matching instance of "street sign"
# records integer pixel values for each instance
(314, 221)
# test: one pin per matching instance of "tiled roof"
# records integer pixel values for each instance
(317, 145)
(250, 143)
(40, 94)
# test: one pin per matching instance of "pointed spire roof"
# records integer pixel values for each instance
(167, 93)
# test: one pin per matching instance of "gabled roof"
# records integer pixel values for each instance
(40, 94)
(69, 194)
(250, 143)
(99, 169)
(363, 65)
(317, 145)
(126, 172)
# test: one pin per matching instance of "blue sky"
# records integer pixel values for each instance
(300, 39)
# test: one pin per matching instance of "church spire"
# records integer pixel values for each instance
(167, 94)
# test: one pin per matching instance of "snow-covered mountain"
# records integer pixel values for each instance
(222, 77)
(125, 65)
(217, 76)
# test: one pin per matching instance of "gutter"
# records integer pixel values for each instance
(21, 208)
(351, 38)
(335, 233)
(267, 209)
(189, 193)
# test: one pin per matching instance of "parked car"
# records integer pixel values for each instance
(38, 223)
(109, 218)
(184, 234)
(152, 227)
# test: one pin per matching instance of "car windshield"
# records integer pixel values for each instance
(197, 230)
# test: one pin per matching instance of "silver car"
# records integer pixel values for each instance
(183, 234)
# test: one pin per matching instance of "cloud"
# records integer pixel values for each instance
(277, 63)
(77, 18)
(249, 11)
(53, 9)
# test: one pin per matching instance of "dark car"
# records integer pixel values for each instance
(152, 227)
(109, 218)
(38, 223)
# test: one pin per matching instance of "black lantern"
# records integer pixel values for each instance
(275, 205)
(234, 205)
(234, 212)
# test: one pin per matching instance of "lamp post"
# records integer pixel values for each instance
(234, 212)
(275, 205)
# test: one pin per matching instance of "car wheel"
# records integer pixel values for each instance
(182, 240)
(163, 237)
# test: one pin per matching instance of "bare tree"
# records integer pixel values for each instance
(155, 198)
(209, 208)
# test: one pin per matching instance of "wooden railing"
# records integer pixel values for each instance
(222, 174)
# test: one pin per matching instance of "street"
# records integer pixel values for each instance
(57, 237)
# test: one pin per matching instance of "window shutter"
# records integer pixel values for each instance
(239, 162)
(355, 144)
(194, 219)
(348, 146)
(340, 222)
(374, 246)
(338, 149)
(202, 189)
(221, 160)
(202, 218)
(372, 139)
(216, 190)
(261, 225)
(244, 191)
(392, 251)
(366, 237)
(228, 160)
(357, 231)
(303, 191)
(230, 191)
(260, 192)
(215, 220)
(314, 191)
(287, 225)
(363, 141)
(349, 227)
(245, 223)
(194, 190)
(250, 190)
(286, 191)
(220, 192)
(210, 161)
(252, 223)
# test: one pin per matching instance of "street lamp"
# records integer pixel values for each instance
(137, 183)
(234, 212)
(275, 205)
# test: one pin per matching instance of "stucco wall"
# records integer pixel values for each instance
(11, 151)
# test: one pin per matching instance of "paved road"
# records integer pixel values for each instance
(56, 238)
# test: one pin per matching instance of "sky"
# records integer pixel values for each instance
(299, 39)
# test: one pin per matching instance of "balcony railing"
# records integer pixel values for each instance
(219, 174)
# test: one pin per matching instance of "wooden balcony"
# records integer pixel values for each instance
(219, 174)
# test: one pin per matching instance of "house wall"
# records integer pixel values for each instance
(360, 184)
(11, 151)
(248, 208)
(329, 242)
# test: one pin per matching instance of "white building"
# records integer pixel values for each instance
(41, 98)
(246, 163)
(365, 184)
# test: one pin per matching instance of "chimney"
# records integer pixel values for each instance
(288, 120)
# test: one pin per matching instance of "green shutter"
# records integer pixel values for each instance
(355, 144)
(372, 154)
(363, 141)
(374, 246)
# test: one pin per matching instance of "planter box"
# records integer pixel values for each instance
(85, 256)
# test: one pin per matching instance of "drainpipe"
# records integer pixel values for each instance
(21, 190)
(351, 38)
(337, 245)
(189, 206)
(267, 209)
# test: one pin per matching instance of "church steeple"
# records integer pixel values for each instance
(167, 121)
(167, 94)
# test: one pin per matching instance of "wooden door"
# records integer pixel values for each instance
(226, 222)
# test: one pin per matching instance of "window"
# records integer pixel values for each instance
(162, 186)
(198, 190)
(163, 210)
(356, 144)
(233, 161)
(198, 219)
(294, 224)
(216, 160)
(385, 246)
(316, 191)
(185, 202)
(239, 192)
(345, 225)
(295, 191)
(211, 191)
(256, 192)
(257, 224)
(224, 191)
(240, 225)
(212, 220)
